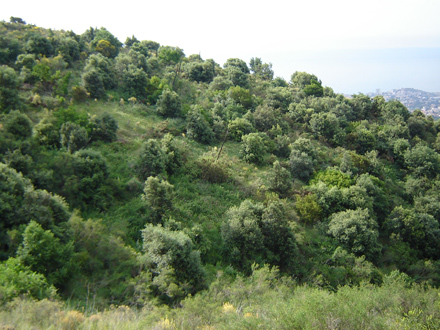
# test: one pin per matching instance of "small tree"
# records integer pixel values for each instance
(93, 83)
(9, 83)
(280, 179)
(158, 194)
(18, 124)
(198, 127)
(73, 137)
(239, 127)
(90, 173)
(17, 279)
(152, 160)
(176, 266)
(169, 104)
(170, 55)
(420, 230)
(308, 208)
(105, 128)
(301, 165)
(253, 148)
(422, 161)
(43, 253)
(302, 79)
(314, 89)
(19, 20)
(253, 233)
(356, 231)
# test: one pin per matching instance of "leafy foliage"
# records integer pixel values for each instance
(17, 279)
(335, 177)
(43, 253)
(255, 233)
(253, 148)
(158, 194)
(356, 231)
(177, 267)
(169, 104)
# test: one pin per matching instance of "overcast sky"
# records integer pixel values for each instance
(352, 46)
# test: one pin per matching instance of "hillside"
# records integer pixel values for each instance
(141, 187)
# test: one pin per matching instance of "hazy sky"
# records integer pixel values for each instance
(352, 46)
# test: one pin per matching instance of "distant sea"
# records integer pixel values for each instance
(364, 71)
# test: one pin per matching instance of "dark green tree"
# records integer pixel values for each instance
(280, 179)
(25, 61)
(18, 124)
(260, 69)
(422, 161)
(104, 72)
(39, 45)
(130, 41)
(237, 76)
(70, 49)
(93, 83)
(106, 43)
(158, 194)
(279, 98)
(327, 126)
(152, 160)
(169, 104)
(174, 155)
(18, 20)
(10, 48)
(73, 137)
(201, 71)
(17, 279)
(420, 230)
(105, 127)
(9, 84)
(301, 165)
(254, 233)
(236, 63)
(85, 186)
(43, 253)
(253, 148)
(133, 82)
(170, 55)
(176, 266)
(362, 106)
(145, 47)
(266, 117)
(198, 127)
(302, 79)
(239, 127)
(356, 231)
(314, 89)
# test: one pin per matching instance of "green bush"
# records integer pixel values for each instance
(17, 280)
(18, 124)
(280, 179)
(73, 137)
(198, 127)
(169, 104)
(175, 264)
(356, 231)
(158, 194)
(253, 233)
(212, 169)
(152, 160)
(43, 253)
(253, 148)
(301, 165)
(9, 84)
